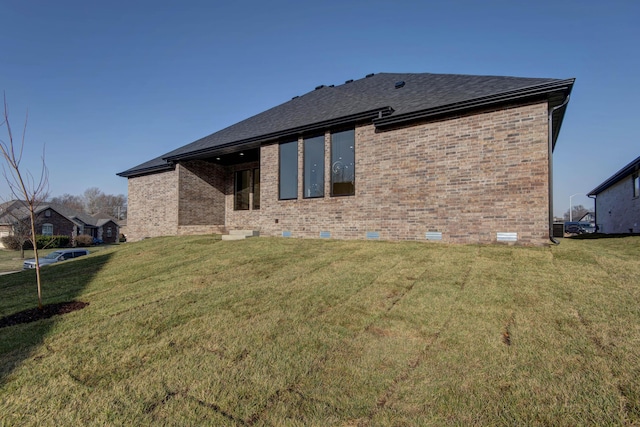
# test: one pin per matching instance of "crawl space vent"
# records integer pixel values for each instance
(433, 235)
(507, 237)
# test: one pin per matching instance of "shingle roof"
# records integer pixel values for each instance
(17, 209)
(377, 97)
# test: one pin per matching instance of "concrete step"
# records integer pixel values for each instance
(246, 233)
(240, 234)
(233, 237)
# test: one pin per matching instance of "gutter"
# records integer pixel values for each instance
(256, 141)
(553, 110)
(145, 171)
(487, 101)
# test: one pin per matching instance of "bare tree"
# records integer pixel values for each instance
(91, 196)
(94, 202)
(20, 228)
(97, 202)
(577, 212)
(69, 201)
(24, 187)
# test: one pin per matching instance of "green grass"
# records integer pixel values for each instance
(11, 261)
(196, 331)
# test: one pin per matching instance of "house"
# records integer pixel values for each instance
(452, 158)
(618, 201)
(53, 219)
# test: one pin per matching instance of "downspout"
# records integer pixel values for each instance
(566, 101)
(595, 210)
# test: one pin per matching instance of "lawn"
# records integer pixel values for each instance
(11, 261)
(272, 331)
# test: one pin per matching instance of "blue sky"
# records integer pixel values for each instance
(109, 85)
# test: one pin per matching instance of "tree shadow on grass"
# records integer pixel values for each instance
(25, 327)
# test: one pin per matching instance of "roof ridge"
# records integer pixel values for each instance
(354, 101)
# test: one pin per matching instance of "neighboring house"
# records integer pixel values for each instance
(618, 201)
(107, 230)
(455, 158)
(52, 219)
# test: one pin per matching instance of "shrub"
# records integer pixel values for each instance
(52, 241)
(122, 238)
(84, 240)
(13, 243)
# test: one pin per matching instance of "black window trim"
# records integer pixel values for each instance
(331, 159)
(324, 146)
(297, 142)
(235, 189)
(255, 172)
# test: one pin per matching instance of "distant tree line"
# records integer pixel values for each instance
(94, 202)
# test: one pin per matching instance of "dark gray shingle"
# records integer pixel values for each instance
(421, 92)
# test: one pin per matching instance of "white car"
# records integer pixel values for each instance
(59, 255)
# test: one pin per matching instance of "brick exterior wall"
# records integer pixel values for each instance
(61, 225)
(152, 205)
(617, 211)
(109, 232)
(201, 192)
(467, 177)
(242, 219)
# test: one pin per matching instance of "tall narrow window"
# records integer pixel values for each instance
(636, 185)
(343, 163)
(256, 189)
(242, 190)
(288, 170)
(314, 167)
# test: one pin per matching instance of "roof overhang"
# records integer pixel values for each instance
(255, 142)
(555, 93)
(147, 170)
(629, 169)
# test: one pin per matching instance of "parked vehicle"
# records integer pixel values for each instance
(579, 227)
(53, 257)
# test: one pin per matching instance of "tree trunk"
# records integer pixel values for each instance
(35, 251)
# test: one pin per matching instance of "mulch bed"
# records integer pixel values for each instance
(35, 314)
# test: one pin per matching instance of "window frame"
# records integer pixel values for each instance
(307, 144)
(255, 205)
(635, 184)
(294, 143)
(49, 226)
(331, 157)
(236, 191)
